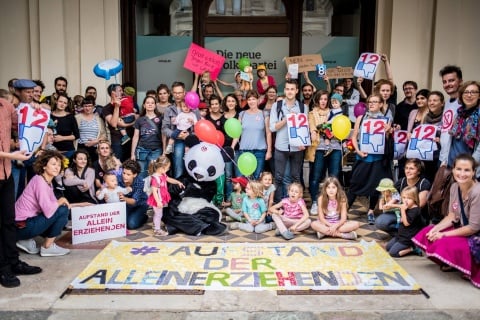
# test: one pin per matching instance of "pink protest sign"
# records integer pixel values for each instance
(199, 59)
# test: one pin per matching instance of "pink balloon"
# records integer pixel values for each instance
(359, 109)
(192, 100)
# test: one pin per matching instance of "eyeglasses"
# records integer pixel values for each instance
(408, 88)
(373, 102)
(472, 93)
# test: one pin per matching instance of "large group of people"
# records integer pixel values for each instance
(93, 154)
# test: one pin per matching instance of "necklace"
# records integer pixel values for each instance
(48, 182)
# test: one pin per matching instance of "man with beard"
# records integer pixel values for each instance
(307, 93)
(451, 80)
(60, 87)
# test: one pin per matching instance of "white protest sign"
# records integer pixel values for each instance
(422, 142)
(32, 125)
(298, 130)
(372, 136)
(98, 222)
(400, 138)
(367, 65)
(293, 70)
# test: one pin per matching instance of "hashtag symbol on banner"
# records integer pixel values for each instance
(144, 250)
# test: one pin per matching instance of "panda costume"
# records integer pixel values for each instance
(190, 210)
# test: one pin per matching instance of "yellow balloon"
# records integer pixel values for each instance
(341, 126)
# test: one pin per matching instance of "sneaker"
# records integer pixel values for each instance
(320, 235)
(9, 280)
(125, 139)
(288, 235)
(29, 246)
(314, 209)
(417, 251)
(53, 251)
(349, 235)
(23, 268)
(169, 149)
(160, 232)
(371, 218)
(234, 226)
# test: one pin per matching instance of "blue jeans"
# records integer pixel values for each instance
(178, 153)
(394, 247)
(19, 175)
(282, 159)
(117, 150)
(228, 178)
(260, 155)
(144, 157)
(43, 226)
(318, 169)
(387, 221)
(136, 216)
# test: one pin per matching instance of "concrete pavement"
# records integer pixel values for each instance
(39, 298)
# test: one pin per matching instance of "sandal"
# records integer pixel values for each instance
(447, 268)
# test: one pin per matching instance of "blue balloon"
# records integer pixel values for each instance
(106, 69)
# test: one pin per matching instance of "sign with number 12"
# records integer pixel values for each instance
(367, 65)
(372, 136)
(298, 131)
(32, 125)
(422, 142)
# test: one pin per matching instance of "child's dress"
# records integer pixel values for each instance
(332, 216)
(159, 182)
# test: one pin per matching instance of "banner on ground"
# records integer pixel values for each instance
(244, 266)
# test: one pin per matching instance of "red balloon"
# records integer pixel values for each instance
(205, 131)
(220, 138)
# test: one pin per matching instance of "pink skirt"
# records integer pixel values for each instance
(453, 251)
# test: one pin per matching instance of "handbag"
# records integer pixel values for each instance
(474, 239)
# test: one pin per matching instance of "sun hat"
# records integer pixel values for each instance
(242, 180)
(261, 67)
(386, 184)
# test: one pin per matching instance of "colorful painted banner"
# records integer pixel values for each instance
(298, 130)
(367, 65)
(422, 142)
(372, 133)
(244, 266)
(99, 222)
(306, 62)
(32, 126)
(199, 60)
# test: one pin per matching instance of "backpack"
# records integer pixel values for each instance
(147, 184)
(280, 111)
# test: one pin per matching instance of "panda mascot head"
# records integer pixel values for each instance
(204, 162)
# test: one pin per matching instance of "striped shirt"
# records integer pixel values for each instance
(88, 130)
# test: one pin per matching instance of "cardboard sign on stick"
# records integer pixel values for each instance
(306, 62)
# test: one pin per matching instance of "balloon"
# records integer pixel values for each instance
(247, 163)
(242, 63)
(341, 127)
(220, 138)
(205, 131)
(192, 100)
(359, 109)
(233, 127)
(106, 69)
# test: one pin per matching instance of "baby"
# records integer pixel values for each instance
(127, 112)
(110, 192)
(185, 121)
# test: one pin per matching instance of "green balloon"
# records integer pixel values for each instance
(233, 127)
(242, 63)
(247, 163)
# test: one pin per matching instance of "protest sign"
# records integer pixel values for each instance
(307, 62)
(340, 72)
(32, 126)
(199, 59)
(98, 222)
(367, 65)
(298, 130)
